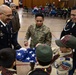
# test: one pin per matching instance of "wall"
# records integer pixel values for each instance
(39, 2)
(32, 3)
(1, 2)
(71, 3)
(16, 2)
(27, 3)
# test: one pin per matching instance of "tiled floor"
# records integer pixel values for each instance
(55, 24)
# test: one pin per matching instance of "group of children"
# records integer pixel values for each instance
(62, 61)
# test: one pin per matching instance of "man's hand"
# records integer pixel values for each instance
(25, 43)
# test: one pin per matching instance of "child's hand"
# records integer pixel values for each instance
(55, 51)
(38, 44)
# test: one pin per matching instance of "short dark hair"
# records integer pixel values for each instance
(38, 72)
(73, 8)
(39, 14)
(44, 63)
(7, 57)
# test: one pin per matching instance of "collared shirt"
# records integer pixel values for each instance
(70, 28)
(2, 22)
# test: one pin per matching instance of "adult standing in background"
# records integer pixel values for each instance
(39, 33)
(15, 23)
(6, 35)
(6, 2)
(70, 28)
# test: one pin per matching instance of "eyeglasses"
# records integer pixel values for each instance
(10, 15)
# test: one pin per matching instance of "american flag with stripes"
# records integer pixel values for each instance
(26, 55)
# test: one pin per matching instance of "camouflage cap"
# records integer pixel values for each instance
(44, 53)
(67, 41)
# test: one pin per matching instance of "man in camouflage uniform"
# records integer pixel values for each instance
(38, 33)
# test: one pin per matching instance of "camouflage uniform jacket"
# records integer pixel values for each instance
(38, 35)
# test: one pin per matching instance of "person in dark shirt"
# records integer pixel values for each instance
(70, 28)
(6, 36)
